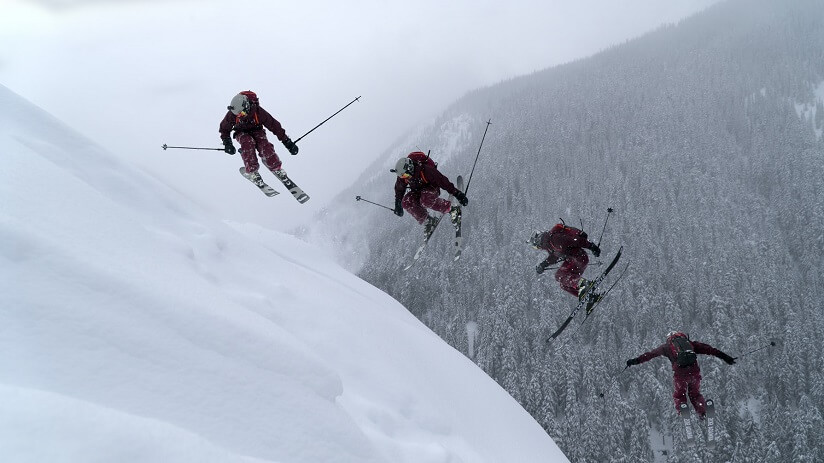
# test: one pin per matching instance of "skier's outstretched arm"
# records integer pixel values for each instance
(706, 349)
(647, 356)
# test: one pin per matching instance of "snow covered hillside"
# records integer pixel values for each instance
(136, 328)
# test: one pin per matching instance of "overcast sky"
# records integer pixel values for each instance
(133, 75)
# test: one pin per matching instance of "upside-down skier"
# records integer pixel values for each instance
(567, 244)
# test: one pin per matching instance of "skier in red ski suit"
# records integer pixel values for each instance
(248, 119)
(565, 243)
(686, 379)
(420, 174)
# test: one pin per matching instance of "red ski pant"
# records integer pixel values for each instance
(688, 385)
(569, 274)
(251, 141)
(417, 202)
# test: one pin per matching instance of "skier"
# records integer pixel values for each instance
(248, 119)
(687, 375)
(420, 174)
(566, 243)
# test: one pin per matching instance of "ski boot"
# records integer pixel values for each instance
(280, 174)
(429, 226)
(257, 179)
(455, 215)
(593, 299)
(583, 289)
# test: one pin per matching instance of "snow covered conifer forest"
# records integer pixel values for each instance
(706, 139)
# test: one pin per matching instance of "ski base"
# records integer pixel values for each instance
(684, 412)
(596, 299)
(712, 436)
(296, 191)
(266, 189)
(456, 221)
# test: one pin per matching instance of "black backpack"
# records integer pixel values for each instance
(684, 353)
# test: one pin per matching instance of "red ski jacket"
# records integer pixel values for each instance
(665, 350)
(423, 175)
(257, 119)
(562, 242)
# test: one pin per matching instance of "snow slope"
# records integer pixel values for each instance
(137, 328)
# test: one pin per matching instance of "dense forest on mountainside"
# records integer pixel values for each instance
(706, 139)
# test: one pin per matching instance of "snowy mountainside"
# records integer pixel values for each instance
(136, 327)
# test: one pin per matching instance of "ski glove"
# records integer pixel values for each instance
(728, 359)
(596, 251)
(398, 209)
(290, 145)
(461, 198)
(541, 267)
(228, 146)
(632, 362)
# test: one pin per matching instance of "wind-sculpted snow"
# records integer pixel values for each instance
(136, 327)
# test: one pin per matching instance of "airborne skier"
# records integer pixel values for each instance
(420, 174)
(681, 352)
(248, 120)
(567, 244)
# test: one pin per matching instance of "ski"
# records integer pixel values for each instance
(595, 300)
(456, 221)
(266, 189)
(684, 412)
(712, 432)
(290, 185)
(588, 296)
(419, 252)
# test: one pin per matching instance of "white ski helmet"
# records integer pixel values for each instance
(404, 166)
(535, 239)
(241, 103)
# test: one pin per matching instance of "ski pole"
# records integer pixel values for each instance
(476, 157)
(324, 121)
(165, 146)
(609, 211)
(772, 343)
(358, 198)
